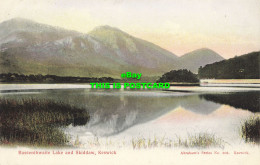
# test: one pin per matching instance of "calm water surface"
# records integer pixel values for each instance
(126, 114)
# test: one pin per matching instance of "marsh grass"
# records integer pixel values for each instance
(250, 130)
(200, 140)
(37, 122)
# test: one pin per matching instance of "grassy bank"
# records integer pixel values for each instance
(37, 122)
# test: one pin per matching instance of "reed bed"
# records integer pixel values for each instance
(200, 140)
(37, 122)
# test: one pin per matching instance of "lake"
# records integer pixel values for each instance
(117, 116)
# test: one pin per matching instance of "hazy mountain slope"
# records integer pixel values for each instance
(193, 60)
(71, 56)
(27, 47)
(22, 32)
(32, 48)
(134, 51)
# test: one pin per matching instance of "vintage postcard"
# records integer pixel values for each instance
(129, 82)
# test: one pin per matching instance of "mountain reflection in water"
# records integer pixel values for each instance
(114, 111)
(243, 100)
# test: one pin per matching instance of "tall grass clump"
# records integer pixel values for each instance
(37, 122)
(200, 140)
(250, 129)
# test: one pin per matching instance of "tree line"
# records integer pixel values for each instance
(182, 75)
(242, 67)
(14, 77)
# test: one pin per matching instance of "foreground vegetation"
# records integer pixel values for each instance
(250, 129)
(201, 140)
(37, 122)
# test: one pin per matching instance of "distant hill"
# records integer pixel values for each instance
(242, 67)
(28, 47)
(193, 60)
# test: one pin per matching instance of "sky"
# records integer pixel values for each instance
(229, 27)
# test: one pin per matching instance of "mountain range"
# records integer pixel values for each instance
(28, 47)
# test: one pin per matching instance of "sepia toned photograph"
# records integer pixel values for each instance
(129, 82)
